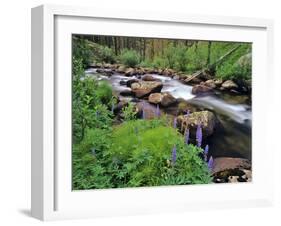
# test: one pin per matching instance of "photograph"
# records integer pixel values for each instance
(159, 112)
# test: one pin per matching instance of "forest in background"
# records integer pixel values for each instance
(221, 59)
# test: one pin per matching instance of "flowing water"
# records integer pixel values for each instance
(232, 136)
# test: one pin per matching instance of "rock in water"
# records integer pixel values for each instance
(131, 81)
(126, 92)
(149, 78)
(229, 84)
(201, 89)
(230, 170)
(143, 88)
(206, 119)
(210, 83)
(129, 71)
(167, 100)
(155, 98)
(149, 110)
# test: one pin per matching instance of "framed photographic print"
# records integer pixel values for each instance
(137, 113)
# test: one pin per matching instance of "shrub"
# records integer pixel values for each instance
(106, 55)
(159, 62)
(181, 58)
(104, 92)
(169, 55)
(130, 58)
(143, 150)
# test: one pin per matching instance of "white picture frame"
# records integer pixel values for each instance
(52, 197)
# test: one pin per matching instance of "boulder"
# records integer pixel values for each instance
(143, 88)
(131, 81)
(227, 169)
(229, 84)
(126, 92)
(184, 106)
(201, 89)
(155, 98)
(192, 81)
(149, 110)
(149, 78)
(121, 69)
(139, 71)
(106, 72)
(129, 71)
(123, 83)
(167, 100)
(176, 77)
(206, 119)
(205, 75)
(218, 82)
(210, 83)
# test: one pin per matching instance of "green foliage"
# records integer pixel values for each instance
(90, 102)
(88, 172)
(234, 67)
(106, 54)
(158, 62)
(129, 112)
(104, 92)
(130, 57)
(136, 153)
(143, 150)
(81, 50)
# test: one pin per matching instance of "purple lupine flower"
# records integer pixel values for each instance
(143, 114)
(97, 114)
(186, 140)
(158, 113)
(206, 151)
(210, 163)
(143, 111)
(174, 155)
(175, 122)
(199, 135)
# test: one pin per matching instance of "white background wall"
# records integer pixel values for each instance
(15, 112)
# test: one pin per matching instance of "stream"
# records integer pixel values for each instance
(232, 136)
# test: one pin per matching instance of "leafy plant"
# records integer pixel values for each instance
(130, 57)
(143, 150)
(81, 50)
(129, 112)
(106, 54)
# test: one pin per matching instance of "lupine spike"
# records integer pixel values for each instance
(143, 111)
(175, 122)
(206, 151)
(210, 163)
(174, 155)
(199, 135)
(186, 140)
(158, 113)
